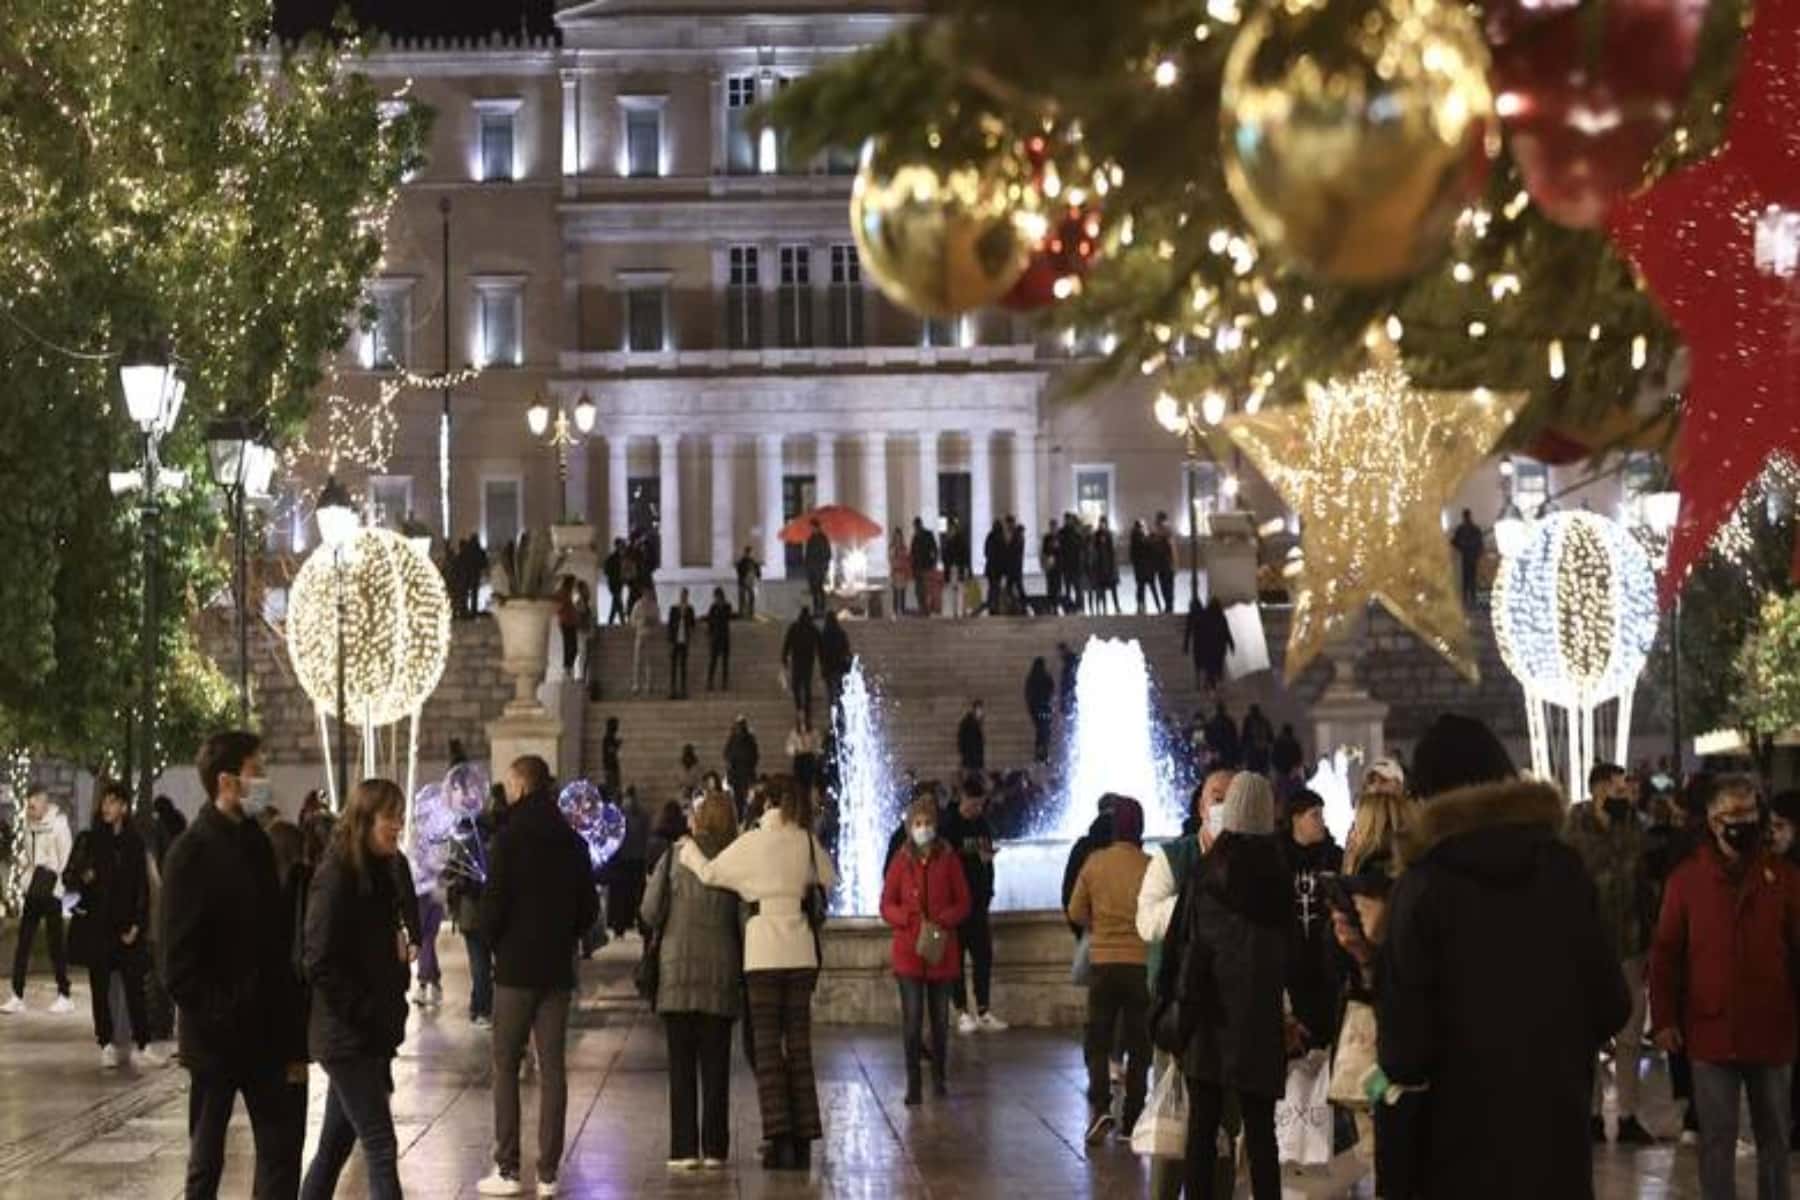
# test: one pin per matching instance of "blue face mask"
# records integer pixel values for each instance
(255, 794)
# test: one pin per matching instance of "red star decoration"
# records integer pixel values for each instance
(1693, 237)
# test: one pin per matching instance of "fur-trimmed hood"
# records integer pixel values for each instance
(1518, 815)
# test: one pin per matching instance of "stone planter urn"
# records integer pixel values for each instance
(571, 539)
(525, 649)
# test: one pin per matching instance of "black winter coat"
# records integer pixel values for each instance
(118, 896)
(226, 942)
(352, 957)
(1106, 559)
(1313, 962)
(971, 743)
(1496, 986)
(540, 897)
(1239, 906)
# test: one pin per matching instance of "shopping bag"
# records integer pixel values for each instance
(1356, 1056)
(1250, 649)
(1161, 1130)
(1303, 1114)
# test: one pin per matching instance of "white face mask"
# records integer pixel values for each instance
(923, 835)
(255, 794)
(1215, 820)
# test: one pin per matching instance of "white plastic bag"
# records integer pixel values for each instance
(1161, 1129)
(1303, 1115)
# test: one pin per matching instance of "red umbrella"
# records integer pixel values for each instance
(841, 524)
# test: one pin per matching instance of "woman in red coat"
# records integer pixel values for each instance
(925, 899)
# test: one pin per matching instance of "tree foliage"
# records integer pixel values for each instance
(171, 187)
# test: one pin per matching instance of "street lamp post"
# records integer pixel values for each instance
(153, 396)
(1661, 511)
(1190, 424)
(562, 435)
(337, 527)
(240, 467)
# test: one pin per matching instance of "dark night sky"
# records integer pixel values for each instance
(431, 18)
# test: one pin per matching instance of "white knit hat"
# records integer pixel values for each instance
(1249, 805)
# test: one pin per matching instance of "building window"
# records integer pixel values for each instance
(390, 500)
(1530, 486)
(846, 297)
(500, 334)
(773, 147)
(940, 332)
(1094, 492)
(793, 299)
(740, 140)
(643, 136)
(385, 339)
(743, 300)
(502, 511)
(496, 155)
(645, 319)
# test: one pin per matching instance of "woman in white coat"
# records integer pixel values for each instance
(773, 867)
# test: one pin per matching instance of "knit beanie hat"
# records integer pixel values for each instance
(1458, 752)
(1127, 820)
(1302, 800)
(1249, 805)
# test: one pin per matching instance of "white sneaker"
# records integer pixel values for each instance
(991, 1024)
(109, 1058)
(497, 1183)
(14, 1004)
(421, 995)
(967, 1023)
(684, 1164)
(153, 1057)
(62, 1004)
(713, 1164)
(434, 995)
(546, 1185)
(483, 1022)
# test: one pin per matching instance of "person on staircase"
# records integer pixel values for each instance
(613, 569)
(799, 649)
(899, 569)
(749, 572)
(834, 661)
(643, 622)
(1106, 569)
(1014, 584)
(924, 555)
(925, 899)
(718, 641)
(1207, 635)
(681, 639)
(803, 747)
(1162, 556)
(1138, 551)
(816, 558)
(1040, 703)
(993, 567)
(971, 739)
(741, 756)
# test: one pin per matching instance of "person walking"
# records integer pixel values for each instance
(356, 955)
(681, 637)
(1105, 904)
(1040, 703)
(718, 641)
(1495, 981)
(799, 648)
(741, 756)
(971, 740)
(1106, 569)
(803, 747)
(749, 572)
(110, 868)
(643, 621)
(1232, 969)
(1722, 984)
(1468, 543)
(538, 903)
(47, 844)
(835, 658)
(1605, 832)
(612, 569)
(1207, 634)
(924, 558)
(816, 558)
(924, 898)
(777, 868)
(899, 569)
(698, 989)
(966, 830)
(228, 958)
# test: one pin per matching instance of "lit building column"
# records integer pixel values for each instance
(981, 496)
(618, 502)
(668, 447)
(768, 499)
(875, 498)
(575, 487)
(825, 468)
(571, 130)
(724, 548)
(928, 478)
(1025, 492)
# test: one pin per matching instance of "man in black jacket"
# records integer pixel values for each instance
(798, 651)
(971, 740)
(817, 560)
(538, 902)
(227, 944)
(924, 553)
(681, 638)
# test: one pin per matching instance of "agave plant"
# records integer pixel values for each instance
(525, 568)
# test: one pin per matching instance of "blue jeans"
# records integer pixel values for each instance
(356, 1110)
(1716, 1090)
(481, 976)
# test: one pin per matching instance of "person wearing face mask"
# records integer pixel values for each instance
(357, 961)
(227, 946)
(924, 898)
(1605, 832)
(1722, 986)
(1784, 821)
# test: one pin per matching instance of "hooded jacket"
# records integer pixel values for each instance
(1240, 905)
(539, 898)
(1105, 901)
(1496, 985)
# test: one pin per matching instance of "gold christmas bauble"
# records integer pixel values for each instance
(942, 242)
(1356, 131)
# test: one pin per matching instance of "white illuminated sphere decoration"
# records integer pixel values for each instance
(396, 627)
(1575, 609)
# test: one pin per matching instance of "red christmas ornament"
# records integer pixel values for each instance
(1719, 245)
(1066, 252)
(1586, 95)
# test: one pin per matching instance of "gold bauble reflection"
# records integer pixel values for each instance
(942, 242)
(1356, 131)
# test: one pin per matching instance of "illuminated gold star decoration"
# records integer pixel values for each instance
(1369, 463)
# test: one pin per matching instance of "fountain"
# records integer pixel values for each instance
(1114, 745)
(867, 807)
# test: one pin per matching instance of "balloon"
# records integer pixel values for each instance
(599, 822)
(466, 788)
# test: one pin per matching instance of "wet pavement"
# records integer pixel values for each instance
(1011, 1127)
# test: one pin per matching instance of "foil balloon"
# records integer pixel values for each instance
(1356, 132)
(600, 823)
(466, 788)
(940, 241)
(433, 819)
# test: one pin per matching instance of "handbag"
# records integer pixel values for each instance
(1081, 969)
(1303, 1123)
(1355, 1056)
(1162, 1128)
(646, 977)
(932, 940)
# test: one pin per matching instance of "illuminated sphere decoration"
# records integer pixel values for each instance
(396, 627)
(1575, 610)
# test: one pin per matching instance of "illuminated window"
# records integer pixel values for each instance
(846, 297)
(743, 300)
(386, 338)
(500, 323)
(793, 298)
(740, 140)
(497, 127)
